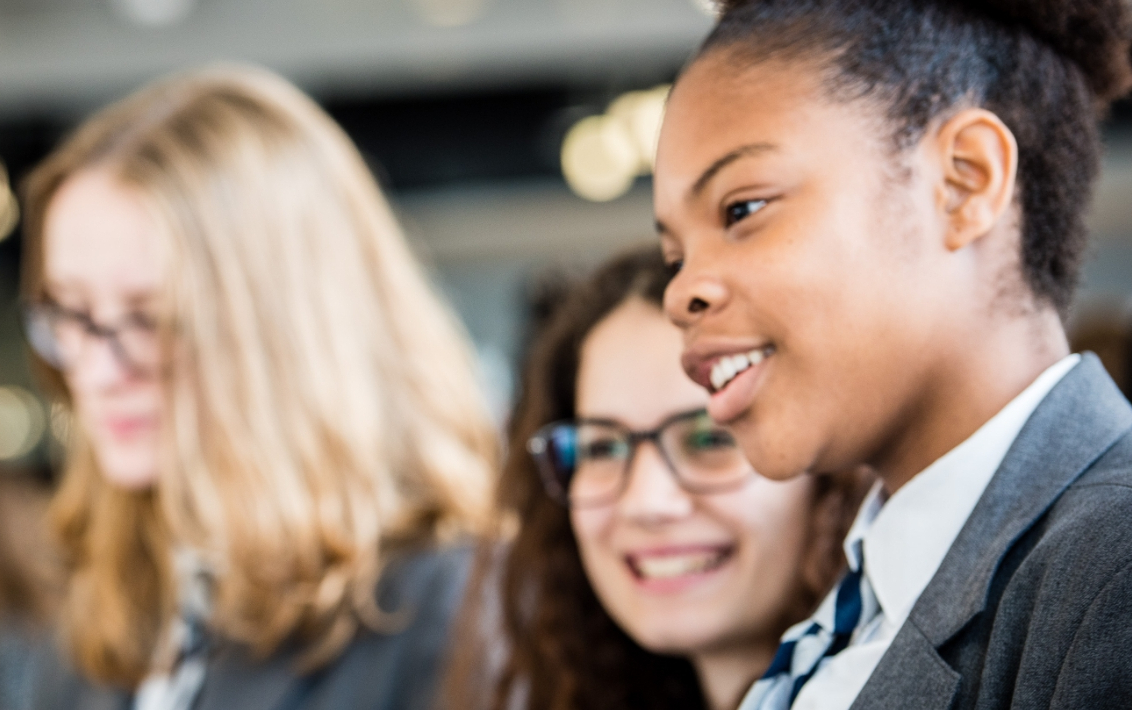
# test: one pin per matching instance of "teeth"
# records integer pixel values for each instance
(728, 367)
(671, 566)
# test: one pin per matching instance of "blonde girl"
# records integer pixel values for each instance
(278, 444)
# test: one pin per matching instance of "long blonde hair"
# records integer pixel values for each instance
(321, 405)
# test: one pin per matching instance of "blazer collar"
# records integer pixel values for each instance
(1077, 422)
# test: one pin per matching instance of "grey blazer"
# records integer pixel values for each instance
(1032, 606)
(394, 671)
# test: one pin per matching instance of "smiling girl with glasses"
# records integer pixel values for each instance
(652, 566)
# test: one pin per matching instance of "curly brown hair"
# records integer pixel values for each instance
(1047, 68)
(562, 651)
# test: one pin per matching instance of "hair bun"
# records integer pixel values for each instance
(1094, 34)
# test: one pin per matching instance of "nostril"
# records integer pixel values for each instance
(697, 305)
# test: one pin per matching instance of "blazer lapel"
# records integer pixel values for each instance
(1076, 423)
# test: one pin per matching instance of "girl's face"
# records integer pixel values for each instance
(681, 573)
(102, 263)
(807, 245)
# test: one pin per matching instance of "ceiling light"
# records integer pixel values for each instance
(450, 13)
(154, 13)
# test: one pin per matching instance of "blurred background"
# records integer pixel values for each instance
(514, 137)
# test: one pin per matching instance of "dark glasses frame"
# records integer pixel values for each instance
(539, 447)
(40, 319)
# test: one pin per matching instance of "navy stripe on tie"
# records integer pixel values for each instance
(846, 614)
(784, 656)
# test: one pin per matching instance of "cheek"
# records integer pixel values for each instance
(593, 530)
(770, 520)
(123, 429)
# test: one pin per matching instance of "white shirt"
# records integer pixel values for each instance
(906, 538)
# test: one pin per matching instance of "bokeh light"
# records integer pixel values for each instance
(708, 7)
(600, 158)
(9, 206)
(61, 422)
(603, 155)
(22, 422)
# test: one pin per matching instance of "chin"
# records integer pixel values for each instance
(128, 471)
(773, 455)
(674, 640)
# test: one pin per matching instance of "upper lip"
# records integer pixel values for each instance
(672, 550)
(701, 357)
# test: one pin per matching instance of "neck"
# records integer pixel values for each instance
(969, 385)
(726, 674)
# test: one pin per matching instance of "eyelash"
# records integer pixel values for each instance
(731, 212)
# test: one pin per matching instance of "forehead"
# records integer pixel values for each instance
(630, 369)
(723, 103)
(100, 240)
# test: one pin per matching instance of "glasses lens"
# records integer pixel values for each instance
(705, 454)
(40, 327)
(139, 343)
(602, 451)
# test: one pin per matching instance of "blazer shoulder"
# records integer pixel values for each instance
(395, 666)
(1095, 508)
(423, 579)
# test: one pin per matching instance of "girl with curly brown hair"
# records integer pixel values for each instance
(651, 567)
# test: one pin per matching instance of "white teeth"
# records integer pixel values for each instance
(670, 566)
(727, 368)
(717, 380)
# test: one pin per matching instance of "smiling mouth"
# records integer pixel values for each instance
(665, 567)
(729, 367)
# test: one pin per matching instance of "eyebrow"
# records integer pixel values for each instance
(713, 169)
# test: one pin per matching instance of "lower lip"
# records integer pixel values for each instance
(130, 428)
(732, 401)
(674, 585)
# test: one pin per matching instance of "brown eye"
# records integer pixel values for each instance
(738, 211)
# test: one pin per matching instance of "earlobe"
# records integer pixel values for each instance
(979, 157)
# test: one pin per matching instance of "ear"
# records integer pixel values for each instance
(979, 161)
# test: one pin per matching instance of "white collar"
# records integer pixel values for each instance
(906, 537)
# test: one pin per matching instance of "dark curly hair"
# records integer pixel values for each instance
(1048, 68)
(562, 649)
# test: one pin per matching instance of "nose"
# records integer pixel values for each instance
(652, 495)
(693, 293)
(96, 367)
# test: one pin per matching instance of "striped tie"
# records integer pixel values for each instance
(804, 646)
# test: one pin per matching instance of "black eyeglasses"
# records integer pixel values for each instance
(59, 336)
(586, 462)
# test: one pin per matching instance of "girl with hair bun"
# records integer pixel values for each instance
(278, 450)
(884, 200)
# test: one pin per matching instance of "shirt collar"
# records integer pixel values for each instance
(905, 538)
